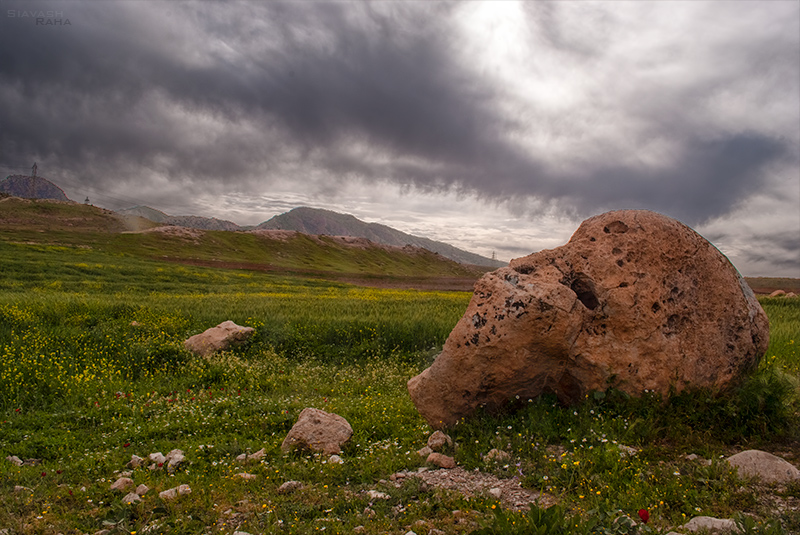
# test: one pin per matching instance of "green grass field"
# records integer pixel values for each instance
(93, 370)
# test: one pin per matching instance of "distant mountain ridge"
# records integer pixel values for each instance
(32, 187)
(190, 221)
(317, 221)
(313, 221)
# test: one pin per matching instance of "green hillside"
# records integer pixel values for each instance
(82, 227)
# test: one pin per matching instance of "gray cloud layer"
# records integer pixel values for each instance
(688, 117)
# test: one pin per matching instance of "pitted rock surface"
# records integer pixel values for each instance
(635, 300)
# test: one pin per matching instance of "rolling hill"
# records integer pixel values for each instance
(317, 221)
(73, 226)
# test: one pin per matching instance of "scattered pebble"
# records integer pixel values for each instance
(377, 495)
(131, 497)
(289, 487)
(122, 484)
(173, 493)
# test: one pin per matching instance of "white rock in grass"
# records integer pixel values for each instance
(13, 459)
(241, 458)
(122, 484)
(496, 493)
(135, 462)
(174, 459)
(157, 458)
(246, 476)
(377, 495)
(142, 489)
(173, 493)
(765, 466)
(240, 533)
(257, 456)
(131, 497)
(711, 524)
(335, 459)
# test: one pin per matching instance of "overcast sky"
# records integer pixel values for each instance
(494, 126)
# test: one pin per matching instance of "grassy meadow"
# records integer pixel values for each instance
(93, 370)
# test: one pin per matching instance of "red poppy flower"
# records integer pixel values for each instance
(644, 515)
(126, 444)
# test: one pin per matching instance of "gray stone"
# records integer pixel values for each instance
(714, 525)
(131, 497)
(764, 466)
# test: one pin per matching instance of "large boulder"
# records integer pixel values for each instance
(218, 338)
(635, 300)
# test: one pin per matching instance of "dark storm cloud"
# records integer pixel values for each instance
(242, 93)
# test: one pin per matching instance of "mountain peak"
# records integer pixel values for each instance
(318, 221)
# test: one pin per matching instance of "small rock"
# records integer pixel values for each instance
(435, 531)
(377, 495)
(131, 497)
(142, 489)
(246, 476)
(335, 459)
(359, 529)
(257, 456)
(173, 493)
(157, 458)
(122, 484)
(497, 455)
(19, 488)
(173, 459)
(240, 533)
(219, 338)
(14, 460)
(290, 486)
(440, 460)
(135, 462)
(410, 533)
(778, 293)
(692, 457)
(31, 462)
(369, 513)
(424, 452)
(241, 458)
(710, 523)
(626, 451)
(317, 430)
(439, 440)
(496, 493)
(765, 466)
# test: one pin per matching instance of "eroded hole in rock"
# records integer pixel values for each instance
(656, 307)
(524, 270)
(585, 290)
(617, 227)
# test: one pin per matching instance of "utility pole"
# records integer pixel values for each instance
(32, 182)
